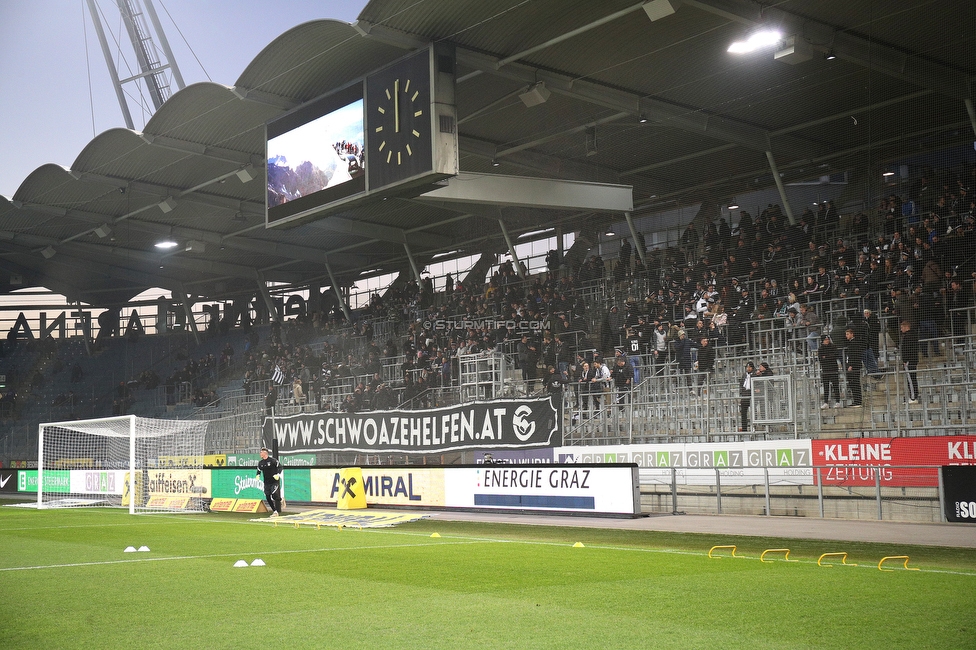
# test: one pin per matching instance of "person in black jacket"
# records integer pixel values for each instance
(706, 360)
(854, 354)
(623, 379)
(909, 347)
(828, 355)
(745, 396)
(269, 469)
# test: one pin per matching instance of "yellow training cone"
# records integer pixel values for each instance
(578, 545)
(435, 534)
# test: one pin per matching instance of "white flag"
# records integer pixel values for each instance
(278, 377)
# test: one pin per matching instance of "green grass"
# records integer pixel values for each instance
(65, 582)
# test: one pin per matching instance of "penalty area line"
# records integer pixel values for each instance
(236, 554)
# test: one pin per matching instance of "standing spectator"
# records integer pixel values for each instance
(958, 299)
(854, 354)
(297, 394)
(706, 361)
(527, 356)
(745, 396)
(682, 353)
(270, 400)
(829, 375)
(623, 380)
(908, 346)
(810, 321)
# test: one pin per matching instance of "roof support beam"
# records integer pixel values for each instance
(533, 160)
(633, 233)
(511, 250)
(413, 264)
(779, 186)
(266, 296)
(191, 194)
(195, 148)
(380, 232)
(680, 117)
(180, 294)
(338, 293)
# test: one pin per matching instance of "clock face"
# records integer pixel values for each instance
(398, 120)
(400, 116)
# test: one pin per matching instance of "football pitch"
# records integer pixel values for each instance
(65, 582)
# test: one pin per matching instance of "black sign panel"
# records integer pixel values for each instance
(502, 424)
(959, 483)
(8, 480)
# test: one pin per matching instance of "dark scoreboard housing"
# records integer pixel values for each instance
(405, 139)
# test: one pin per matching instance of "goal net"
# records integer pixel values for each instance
(142, 464)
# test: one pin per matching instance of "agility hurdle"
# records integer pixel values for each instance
(786, 557)
(842, 555)
(719, 557)
(896, 557)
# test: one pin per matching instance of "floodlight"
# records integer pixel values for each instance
(762, 39)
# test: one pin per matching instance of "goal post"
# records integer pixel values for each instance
(142, 464)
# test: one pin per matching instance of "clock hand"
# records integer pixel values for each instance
(396, 106)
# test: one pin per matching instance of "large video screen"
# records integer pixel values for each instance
(316, 155)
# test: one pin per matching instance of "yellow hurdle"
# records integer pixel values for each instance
(896, 557)
(842, 555)
(777, 550)
(719, 557)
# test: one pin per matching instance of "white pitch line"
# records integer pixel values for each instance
(236, 554)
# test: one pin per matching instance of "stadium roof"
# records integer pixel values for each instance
(657, 104)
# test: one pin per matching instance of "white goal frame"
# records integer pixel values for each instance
(186, 437)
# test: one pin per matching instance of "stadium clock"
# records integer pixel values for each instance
(398, 117)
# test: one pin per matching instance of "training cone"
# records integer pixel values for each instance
(578, 545)
(129, 549)
(258, 562)
(143, 549)
(435, 534)
(240, 563)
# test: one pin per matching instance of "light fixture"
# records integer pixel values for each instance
(167, 204)
(103, 231)
(610, 232)
(590, 140)
(642, 118)
(246, 174)
(658, 9)
(48, 252)
(166, 244)
(494, 162)
(733, 205)
(795, 50)
(535, 95)
(239, 216)
(829, 55)
(194, 246)
(763, 39)
(888, 173)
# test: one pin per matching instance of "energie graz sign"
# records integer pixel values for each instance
(499, 424)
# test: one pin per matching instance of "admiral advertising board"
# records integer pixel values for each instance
(501, 424)
(541, 487)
